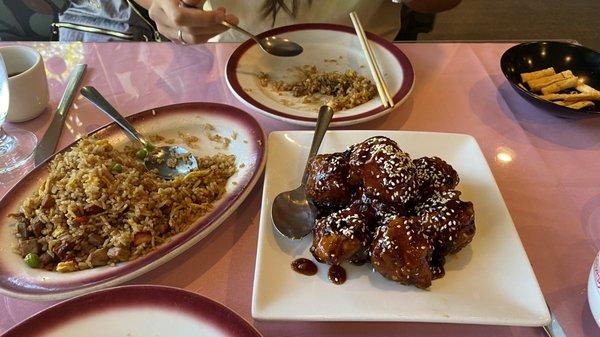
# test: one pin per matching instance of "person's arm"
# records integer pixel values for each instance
(144, 3)
(195, 24)
(429, 6)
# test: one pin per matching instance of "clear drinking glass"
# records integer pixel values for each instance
(17, 147)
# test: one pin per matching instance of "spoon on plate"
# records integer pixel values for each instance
(271, 44)
(292, 213)
(168, 161)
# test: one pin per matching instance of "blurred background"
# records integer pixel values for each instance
(518, 19)
(472, 20)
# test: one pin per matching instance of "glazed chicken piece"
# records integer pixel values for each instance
(327, 184)
(377, 204)
(390, 176)
(383, 170)
(360, 153)
(434, 174)
(400, 254)
(373, 210)
(447, 222)
(341, 236)
(437, 265)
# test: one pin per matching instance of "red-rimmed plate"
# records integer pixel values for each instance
(247, 144)
(136, 311)
(329, 47)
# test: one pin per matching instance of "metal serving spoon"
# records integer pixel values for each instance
(293, 215)
(157, 158)
(271, 44)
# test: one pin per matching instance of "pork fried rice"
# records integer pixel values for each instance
(100, 206)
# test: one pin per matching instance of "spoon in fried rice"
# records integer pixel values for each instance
(167, 161)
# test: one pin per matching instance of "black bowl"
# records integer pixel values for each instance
(532, 56)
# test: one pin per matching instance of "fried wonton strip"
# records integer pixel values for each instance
(582, 87)
(538, 84)
(559, 102)
(553, 97)
(581, 105)
(592, 96)
(525, 77)
(560, 85)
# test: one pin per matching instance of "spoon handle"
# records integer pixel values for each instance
(325, 115)
(225, 23)
(101, 103)
(240, 29)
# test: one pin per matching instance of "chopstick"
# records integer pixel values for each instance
(382, 88)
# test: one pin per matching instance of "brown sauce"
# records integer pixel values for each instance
(304, 266)
(337, 274)
(359, 262)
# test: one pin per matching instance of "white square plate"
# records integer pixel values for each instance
(489, 282)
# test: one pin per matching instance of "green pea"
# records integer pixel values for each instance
(141, 154)
(32, 260)
(149, 147)
(118, 168)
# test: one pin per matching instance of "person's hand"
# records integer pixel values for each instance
(187, 16)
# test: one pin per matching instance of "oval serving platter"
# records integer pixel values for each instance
(247, 144)
(136, 311)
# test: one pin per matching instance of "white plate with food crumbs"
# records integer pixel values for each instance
(292, 89)
(93, 216)
(380, 251)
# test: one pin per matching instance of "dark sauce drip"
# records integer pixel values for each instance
(358, 262)
(304, 266)
(337, 274)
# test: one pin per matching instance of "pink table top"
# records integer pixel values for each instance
(547, 169)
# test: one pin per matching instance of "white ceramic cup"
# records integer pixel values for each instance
(27, 84)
